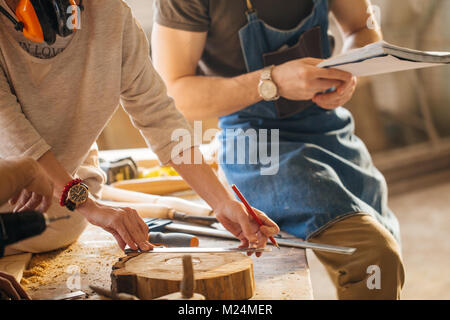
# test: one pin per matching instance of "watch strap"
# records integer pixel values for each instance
(64, 200)
(266, 76)
(266, 73)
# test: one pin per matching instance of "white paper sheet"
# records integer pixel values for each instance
(380, 65)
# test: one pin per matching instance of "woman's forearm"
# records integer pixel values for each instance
(56, 172)
(200, 98)
(201, 178)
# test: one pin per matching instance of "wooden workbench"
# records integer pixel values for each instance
(279, 275)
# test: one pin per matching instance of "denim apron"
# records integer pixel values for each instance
(324, 173)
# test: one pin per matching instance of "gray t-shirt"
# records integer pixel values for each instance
(223, 19)
(63, 103)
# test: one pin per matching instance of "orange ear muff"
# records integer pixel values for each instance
(32, 27)
(75, 17)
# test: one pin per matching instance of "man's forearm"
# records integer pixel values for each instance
(362, 38)
(200, 98)
(15, 175)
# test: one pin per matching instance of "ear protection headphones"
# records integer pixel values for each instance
(43, 20)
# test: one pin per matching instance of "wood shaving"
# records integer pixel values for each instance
(92, 255)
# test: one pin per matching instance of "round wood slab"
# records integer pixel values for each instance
(218, 276)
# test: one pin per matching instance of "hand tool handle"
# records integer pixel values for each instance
(173, 239)
(204, 220)
(145, 210)
(155, 186)
(15, 227)
(178, 204)
(187, 285)
(251, 212)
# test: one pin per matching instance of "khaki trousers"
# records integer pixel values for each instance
(374, 271)
(356, 277)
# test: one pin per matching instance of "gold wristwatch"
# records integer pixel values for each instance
(267, 89)
(75, 194)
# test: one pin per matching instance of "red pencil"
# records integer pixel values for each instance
(252, 213)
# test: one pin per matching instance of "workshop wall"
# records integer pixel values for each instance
(403, 99)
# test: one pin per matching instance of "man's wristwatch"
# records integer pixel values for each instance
(267, 89)
(75, 193)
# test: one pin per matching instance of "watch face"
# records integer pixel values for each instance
(78, 194)
(268, 90)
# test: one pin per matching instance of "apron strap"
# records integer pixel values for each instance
(250, 8)
(249, 5)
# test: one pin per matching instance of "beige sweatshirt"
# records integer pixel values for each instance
(63, 103)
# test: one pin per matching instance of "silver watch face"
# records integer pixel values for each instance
(268, 90)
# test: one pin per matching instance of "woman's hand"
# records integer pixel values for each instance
(123, 223)
(37, 194)
(302, 80)
(11, 288)
(235, 218)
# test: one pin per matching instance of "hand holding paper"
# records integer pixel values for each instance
(382, 57)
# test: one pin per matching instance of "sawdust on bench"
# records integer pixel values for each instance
(92, 256)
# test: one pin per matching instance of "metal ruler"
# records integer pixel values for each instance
(205, 231)
(199, 250)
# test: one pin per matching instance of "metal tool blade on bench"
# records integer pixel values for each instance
(198, 250)
(315, 246)
(210, 232)
(71, 296)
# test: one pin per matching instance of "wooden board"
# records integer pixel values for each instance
(218, 276)
(156, 186)
(15, 264)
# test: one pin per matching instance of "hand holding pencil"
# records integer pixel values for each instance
(236, 218)
(252, 212)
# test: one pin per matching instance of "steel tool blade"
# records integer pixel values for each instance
(200, 250)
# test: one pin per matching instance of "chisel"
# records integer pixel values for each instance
(173, 239)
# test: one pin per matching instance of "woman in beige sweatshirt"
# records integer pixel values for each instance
(55, 100)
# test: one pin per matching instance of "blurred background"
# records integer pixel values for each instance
(404, 119)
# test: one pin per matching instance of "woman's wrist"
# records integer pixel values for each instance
(87, 207)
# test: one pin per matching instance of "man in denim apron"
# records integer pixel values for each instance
(323, 186)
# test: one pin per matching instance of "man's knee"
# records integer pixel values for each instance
(374, 271)
(386, 260)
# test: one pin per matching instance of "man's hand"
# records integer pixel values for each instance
(37, 194)
(235, 218)
(123, 223)
(11, 288)
(302, 80)
(337, 98)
